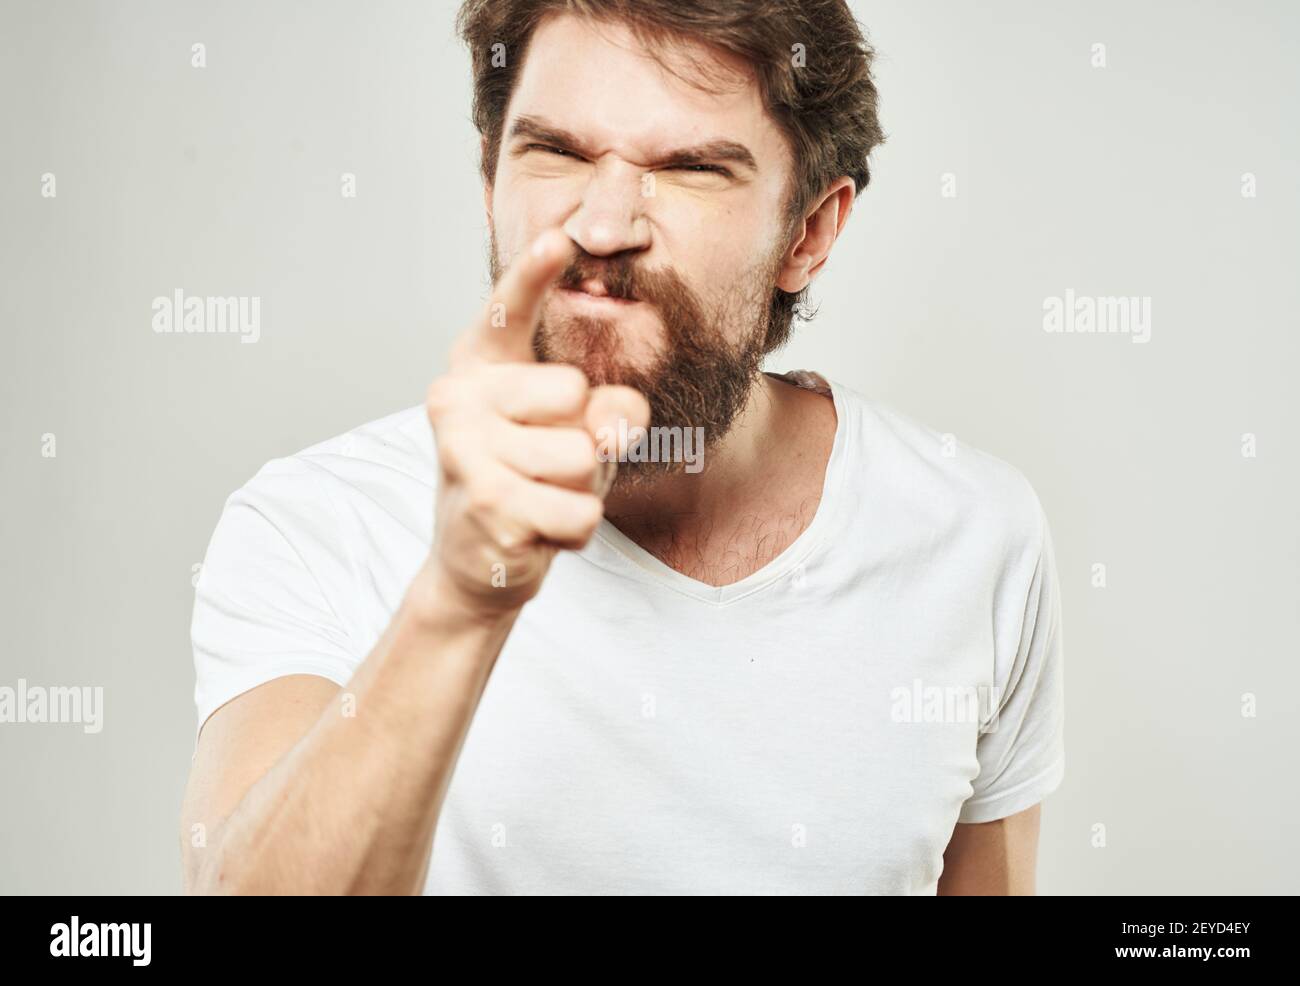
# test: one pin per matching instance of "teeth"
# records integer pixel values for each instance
(596, 289)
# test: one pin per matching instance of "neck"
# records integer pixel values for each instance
(736, 470)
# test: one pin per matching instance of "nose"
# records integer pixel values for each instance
(610, 218)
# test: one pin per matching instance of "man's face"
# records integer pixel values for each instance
(674, 195)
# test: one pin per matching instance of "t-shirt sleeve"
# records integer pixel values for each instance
(261, 610)
(1021, 747)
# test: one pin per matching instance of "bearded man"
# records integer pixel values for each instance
(478, 647)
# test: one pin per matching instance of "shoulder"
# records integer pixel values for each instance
(401, 440)
(317, 502)
(360, 459)
(942, 481)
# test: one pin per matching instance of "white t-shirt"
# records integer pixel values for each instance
(817, 727)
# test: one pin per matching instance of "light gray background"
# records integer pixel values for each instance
(1123, 180)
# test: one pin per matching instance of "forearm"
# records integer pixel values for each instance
(352, 807)
(353, 804)
(997, 858)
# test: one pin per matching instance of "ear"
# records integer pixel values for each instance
(815, 236)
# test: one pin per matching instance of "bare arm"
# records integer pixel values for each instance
(298, 787)
(993, 858)
(305, 788)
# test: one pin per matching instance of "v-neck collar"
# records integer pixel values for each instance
(609, 540)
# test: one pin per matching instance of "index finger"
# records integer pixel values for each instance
(505, 329)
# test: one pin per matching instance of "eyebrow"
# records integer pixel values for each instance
(535, 128)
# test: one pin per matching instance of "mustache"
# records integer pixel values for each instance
(622, 277)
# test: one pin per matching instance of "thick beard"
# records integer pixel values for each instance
(700, 379)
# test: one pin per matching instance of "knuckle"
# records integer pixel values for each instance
(573, 444)
(449, 458)
(484, 495)
(587, 514)
(578, 453)
(513, 540)
(456, 450)
(571, 387)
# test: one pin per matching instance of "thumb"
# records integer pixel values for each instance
(615, 417)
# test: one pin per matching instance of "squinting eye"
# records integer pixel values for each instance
(547, 148)
(701, 169)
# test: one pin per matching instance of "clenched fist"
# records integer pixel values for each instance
(520, 477)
